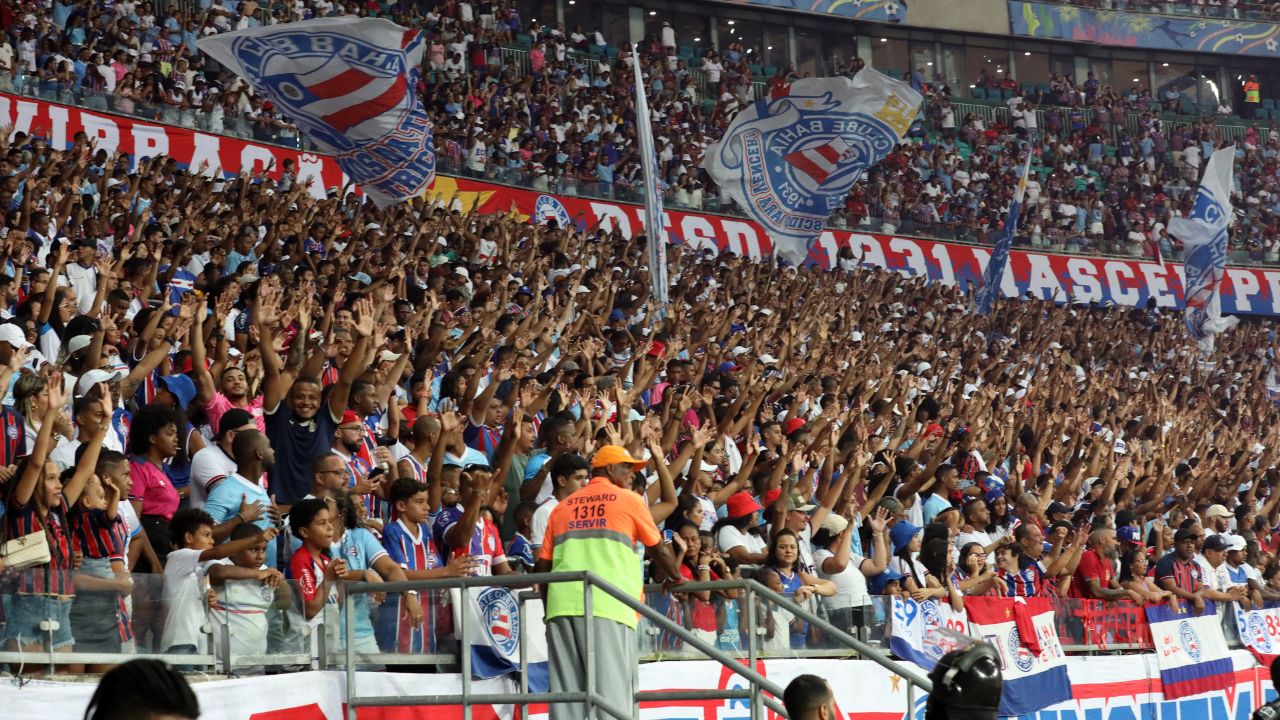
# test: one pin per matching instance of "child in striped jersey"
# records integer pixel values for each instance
(408, 541)
(98, 533)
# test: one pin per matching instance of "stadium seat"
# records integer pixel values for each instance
(1006, 94)
(770, 70)
(685, 53)
(756, 69)
(596, 50)
(524, 40)
(1269, 103)
(1043, 88)
(978, 93)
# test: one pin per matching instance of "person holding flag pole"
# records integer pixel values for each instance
(655, 230)
(991, 279)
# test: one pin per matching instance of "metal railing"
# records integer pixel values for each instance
(762, 693)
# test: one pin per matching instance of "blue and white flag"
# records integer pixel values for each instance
(655, 228)
(914, 631)
(1204, 234)
(351, 85)
(790, 160)
(994, 275)
(496, 626)
(1190, 649)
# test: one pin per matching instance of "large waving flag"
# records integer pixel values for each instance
(655, 228)
(1204, 234)
(791, 159)
(994, 274)
(351, 85)
(1034, 666)
(1190, 649)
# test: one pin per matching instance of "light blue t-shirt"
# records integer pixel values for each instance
(932, 506)
(224, 502)
(361, 550)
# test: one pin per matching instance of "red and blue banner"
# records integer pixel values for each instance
(1032, 661)
(1190, 648)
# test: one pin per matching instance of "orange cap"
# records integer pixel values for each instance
(615, 455)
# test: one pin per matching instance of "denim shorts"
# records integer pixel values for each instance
(28, 611)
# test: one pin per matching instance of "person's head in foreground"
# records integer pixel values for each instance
(809, 697)
(143, 690)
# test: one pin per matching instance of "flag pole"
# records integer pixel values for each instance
(655, 230)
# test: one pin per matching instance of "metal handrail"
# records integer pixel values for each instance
(589, 580)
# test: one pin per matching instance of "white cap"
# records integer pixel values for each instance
(12, 334)
(78, 343)
(388, 356)
(1234, 542)
(767, 359)
(93, 377)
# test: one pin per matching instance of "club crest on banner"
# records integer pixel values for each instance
(1022, 657)
(1254, 629)
(501, 619)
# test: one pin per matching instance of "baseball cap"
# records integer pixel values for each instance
(741, 504)
(232, 419)
(834, 524)
(615, 455)
(12, 334)
(349, 417)
(1234, 542)
(78, 343)
(799, 502)
(1216, 542)
(878, 583)
(388, 356)
(1057, 507)
(361, 277)
(93, 377)
(1216, 511)
(1129, 534)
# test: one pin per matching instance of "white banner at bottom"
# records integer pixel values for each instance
(1103, 688)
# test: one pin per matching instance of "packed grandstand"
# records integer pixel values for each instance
(194, 350)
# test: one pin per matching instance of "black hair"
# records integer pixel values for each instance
(244, 530)
(187, 521)
(107, 458)
(567, 464)
(303, 513)
(148, 421)
(805, 695)
(142, 688)
(347, 511)
(403, 489)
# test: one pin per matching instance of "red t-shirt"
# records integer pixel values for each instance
(1092, 566)
(308, 571)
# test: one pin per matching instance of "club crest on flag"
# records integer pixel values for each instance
(501, 619)
(789, 160)
(1189, 640)
(351, 85)
(549, 208)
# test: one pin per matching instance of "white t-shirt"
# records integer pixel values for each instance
(65, 453)
(538, 524)
(84, 280)
(982, 537)
(851, 584)
(185, 583)
(731, 537)
(209, 463)
(243, 605)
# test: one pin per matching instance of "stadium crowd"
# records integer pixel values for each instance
(1227, 9)
(228, 383)
(561, 121)
(221, 385)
